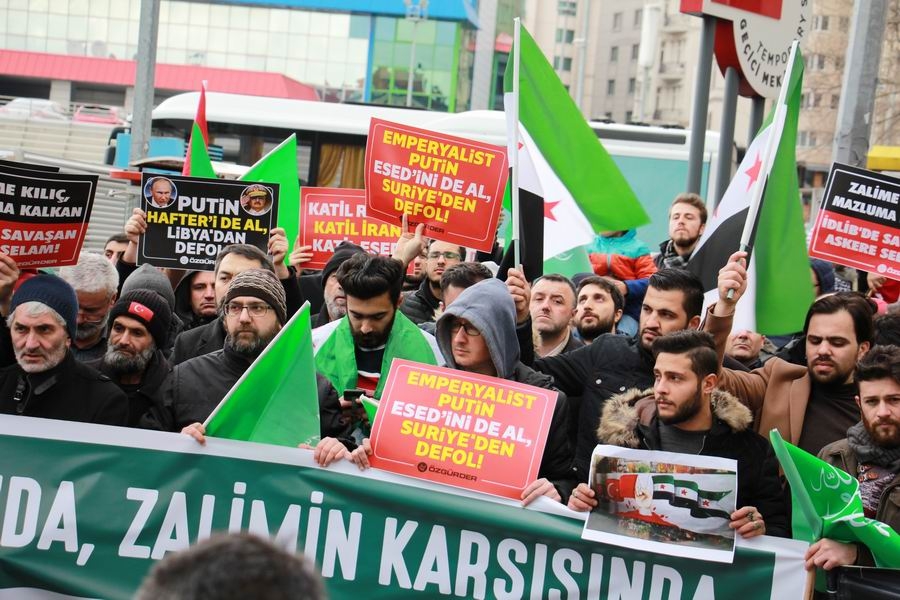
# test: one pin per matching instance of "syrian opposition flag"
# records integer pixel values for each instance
(556, 156)
(779, 289)
(196, 158)
(702, 503)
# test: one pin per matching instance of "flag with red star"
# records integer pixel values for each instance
(561, 160)
(779, 291)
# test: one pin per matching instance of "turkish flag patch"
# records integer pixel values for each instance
(139, 310)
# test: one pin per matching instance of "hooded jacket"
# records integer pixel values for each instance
(183, 309)
(488, 306)
(629, 420)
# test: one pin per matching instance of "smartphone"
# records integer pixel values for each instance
(352, 395)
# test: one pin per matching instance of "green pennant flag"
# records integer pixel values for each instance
(280, 166)
(199, 163)
(569, 263)
(276, 400)
(827, 504)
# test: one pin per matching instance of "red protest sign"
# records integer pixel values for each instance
(454, 185)
(461, 429)
(857, 224)
(328, 216)
(44, 215)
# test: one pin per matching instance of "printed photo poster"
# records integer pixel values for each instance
(454, 185)
(190, 219)
(329, 216)
(664, 502)
(44, 214)
(857, 224)
(461, 429)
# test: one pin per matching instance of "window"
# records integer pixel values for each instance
(820, 61)
(631, 85)
(812, 138)
(637, 18)
(838, 63)
(567, 8)
(565, 36)
(556, 62)
(617, 21)
(801, 138)
(614, 54)
(610, 87)
(628, 116)
(835, 99)
(803, 100)
(817, 100)
(635, 51)
(567, 64)
(820, 22)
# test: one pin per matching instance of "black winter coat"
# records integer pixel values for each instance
(71, 391)
(142, 397)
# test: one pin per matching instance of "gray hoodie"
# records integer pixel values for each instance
(488, 306)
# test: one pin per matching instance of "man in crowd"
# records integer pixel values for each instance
(413, 278)
(423, 305)
(745, 347)
(233, 566)
(195, 299)
(335, 302)
(811, 405)
(356, 351)
(687, 220)
(254, 312)
(871, 453)
(115, 246)
(46, 380)
(686, 413)
(598, 308)
(454, 280)
(96, 283)
(552, 307)
(134, 360)
(613, 363)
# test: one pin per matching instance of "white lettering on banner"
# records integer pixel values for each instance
(864, 208)
(875, 192)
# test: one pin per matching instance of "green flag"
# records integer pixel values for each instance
(779, 291)
(560, 158)
(569, 263)
(199, 164)
(280, 166)
(276, 400)
(827, 504)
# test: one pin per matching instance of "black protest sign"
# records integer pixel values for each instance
(857, 224)
(189, 219)
(43, 215)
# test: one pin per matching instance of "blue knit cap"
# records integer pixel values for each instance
(53, 292)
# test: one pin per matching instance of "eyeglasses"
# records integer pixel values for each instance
(233, 309)
(471, 330)
(446, 255)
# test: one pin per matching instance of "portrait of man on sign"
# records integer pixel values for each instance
(256, 200)
(160, 192)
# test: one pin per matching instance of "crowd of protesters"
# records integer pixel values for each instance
(635, 358)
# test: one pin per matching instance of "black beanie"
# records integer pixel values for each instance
(344, 251)
(51, 291)
(147, 307)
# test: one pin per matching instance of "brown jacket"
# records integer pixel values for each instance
(777, 393)
(840, 455)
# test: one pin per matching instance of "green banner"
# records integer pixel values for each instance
(87, 509)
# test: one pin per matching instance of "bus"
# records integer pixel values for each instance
(331, 140)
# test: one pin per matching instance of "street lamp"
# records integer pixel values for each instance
(416, 11)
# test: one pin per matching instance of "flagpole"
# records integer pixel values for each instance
(514, 155)
(768, 156)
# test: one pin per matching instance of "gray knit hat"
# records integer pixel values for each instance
(147, 277)
(262, 284)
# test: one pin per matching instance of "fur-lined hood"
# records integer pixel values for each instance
(625, 412)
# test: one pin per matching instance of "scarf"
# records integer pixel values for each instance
(868, 452)
(336, 358)
(671, 260)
